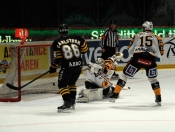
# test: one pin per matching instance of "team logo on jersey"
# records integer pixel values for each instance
(131, 70)
(152, 72)
(75, 63)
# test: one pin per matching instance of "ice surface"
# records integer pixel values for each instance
(134, 111)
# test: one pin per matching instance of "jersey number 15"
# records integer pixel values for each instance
(146, 41)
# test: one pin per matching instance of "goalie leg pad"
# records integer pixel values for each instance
(91, 95)
(94, 94)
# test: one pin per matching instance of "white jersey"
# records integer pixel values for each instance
(146, 42)
(107, 72)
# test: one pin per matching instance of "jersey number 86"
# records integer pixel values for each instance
(69, 51)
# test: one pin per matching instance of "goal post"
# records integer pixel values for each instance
(28, 62)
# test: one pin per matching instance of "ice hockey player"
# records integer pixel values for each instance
(144, 47)
(98, 75)
(67, 51)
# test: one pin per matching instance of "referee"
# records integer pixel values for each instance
(109, 42)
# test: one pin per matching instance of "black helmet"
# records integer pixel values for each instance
(63, 28)
(113, 22)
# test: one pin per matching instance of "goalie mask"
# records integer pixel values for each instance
(108, 65)
(147, 26)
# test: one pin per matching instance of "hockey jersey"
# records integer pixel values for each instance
(68, 49)
(107, 71)
(146, 42)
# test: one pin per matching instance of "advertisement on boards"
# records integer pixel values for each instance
(169, 54)
(35, 58)
(39, 58)
(95, 51)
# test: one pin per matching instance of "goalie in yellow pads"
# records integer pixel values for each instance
(98, 75)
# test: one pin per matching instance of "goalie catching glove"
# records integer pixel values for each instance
(53, 68)
(94, 68)
(116, 57)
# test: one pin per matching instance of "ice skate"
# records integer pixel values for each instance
(73, 104)
(66, 107)
(113, 97)
(158, 100)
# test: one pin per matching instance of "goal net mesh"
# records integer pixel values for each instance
(27, 63)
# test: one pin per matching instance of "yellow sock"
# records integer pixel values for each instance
(157, 91)
(118, 89)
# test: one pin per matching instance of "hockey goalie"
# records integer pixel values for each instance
(98, 75)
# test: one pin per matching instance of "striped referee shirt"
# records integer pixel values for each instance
(109, 38)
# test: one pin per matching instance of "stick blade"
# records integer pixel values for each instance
(12, 87)
(126, 88)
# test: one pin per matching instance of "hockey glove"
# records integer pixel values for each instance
(100, 61)
(94, 68)
(53, 68)
(116, 57)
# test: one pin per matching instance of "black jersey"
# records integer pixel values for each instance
(68, 49)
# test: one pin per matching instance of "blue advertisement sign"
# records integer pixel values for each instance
(95, 51)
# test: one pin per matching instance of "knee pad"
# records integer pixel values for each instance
(124, 77)
(152, 80)
(154, 83)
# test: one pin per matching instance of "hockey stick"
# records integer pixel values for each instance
(18, 88)
(124, 88)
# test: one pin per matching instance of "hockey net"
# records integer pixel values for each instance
(27, 63)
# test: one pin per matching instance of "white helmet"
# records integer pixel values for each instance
(147, 25)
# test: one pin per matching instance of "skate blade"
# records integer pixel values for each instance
(72, 107)
(158, 103)
(68, 110)
(82, 100)
(126, 88)
(115, 77)
(112, 100)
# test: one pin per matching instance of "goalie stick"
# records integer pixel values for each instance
(124, 88)
(18, 88)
